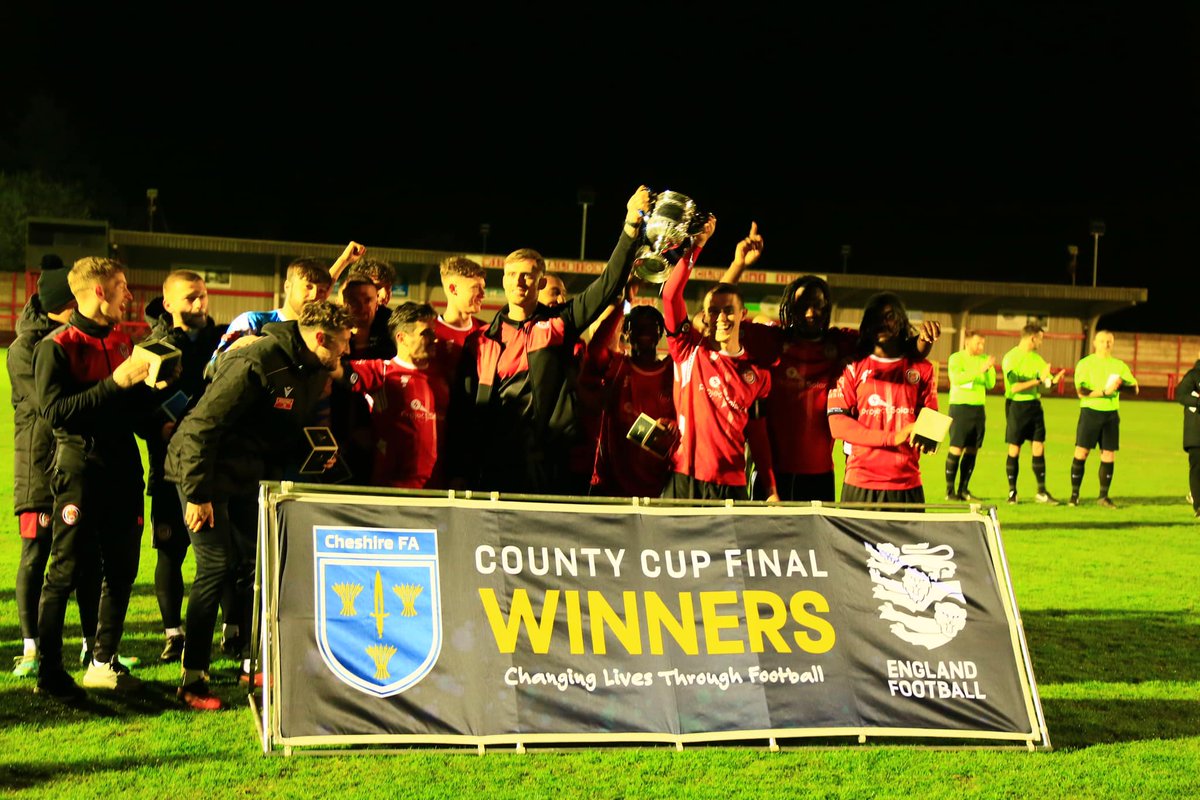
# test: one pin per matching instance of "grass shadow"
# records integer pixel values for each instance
(1097, 525)
(1077, 724)
(1113, 646)
(26, 775)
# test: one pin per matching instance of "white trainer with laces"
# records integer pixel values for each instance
(111, 675)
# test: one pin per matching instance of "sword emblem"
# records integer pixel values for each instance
(379, 614)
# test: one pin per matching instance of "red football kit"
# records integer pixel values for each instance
(408, 415)
(623, 467)
(715, 394)
(451, 340)
(802, 373)
(873, 399)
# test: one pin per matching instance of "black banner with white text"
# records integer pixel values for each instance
(443, 620)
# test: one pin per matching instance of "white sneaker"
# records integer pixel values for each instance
(113, 675)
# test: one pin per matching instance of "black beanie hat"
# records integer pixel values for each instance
(53, 290)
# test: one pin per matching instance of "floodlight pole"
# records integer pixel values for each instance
(585, 197)
(151, 196)
(1097, 228)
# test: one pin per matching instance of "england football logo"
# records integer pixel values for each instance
(923, 605)
(379, 616)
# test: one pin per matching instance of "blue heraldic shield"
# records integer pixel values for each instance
(379, 620)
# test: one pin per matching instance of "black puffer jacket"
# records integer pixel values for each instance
(33, 448)
(248, 426)
(1188, 393)
(196, 353)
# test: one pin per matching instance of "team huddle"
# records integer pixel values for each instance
(520, 405)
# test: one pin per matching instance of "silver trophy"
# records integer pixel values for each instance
(667, 227)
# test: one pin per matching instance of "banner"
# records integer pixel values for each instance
(404, 619)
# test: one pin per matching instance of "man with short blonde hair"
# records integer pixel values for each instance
(519, 393)
(92, 393)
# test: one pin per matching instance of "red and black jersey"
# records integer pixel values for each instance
(408, 416)
(623, 467)
(715, 394)
(93, 419)
(450, 341)
(873, 399)
(802, 372)
(518, 389)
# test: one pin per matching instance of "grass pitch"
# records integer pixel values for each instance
(1108, 598)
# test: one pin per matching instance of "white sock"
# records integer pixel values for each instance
(31, 647)
(96, 663)
(246, 666)
(190, 676)
(174, 631)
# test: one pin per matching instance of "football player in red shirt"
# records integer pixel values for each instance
(408, 395)
(875, 403)
(719, 392)
(806, 357)
(629, 384)
(463, 283)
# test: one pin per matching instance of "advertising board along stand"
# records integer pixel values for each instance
(406, 618)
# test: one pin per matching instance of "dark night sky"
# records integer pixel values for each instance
(935, 140)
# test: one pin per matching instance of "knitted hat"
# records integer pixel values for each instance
(53, 290)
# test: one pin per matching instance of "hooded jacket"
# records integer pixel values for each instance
(249, 424)
(33, 446)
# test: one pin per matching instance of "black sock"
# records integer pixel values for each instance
(1039, 472)
(1011, 467)
(1077, 467)
(951, 471)
(1106, 473)
(966, 469)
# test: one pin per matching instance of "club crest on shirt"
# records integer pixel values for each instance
(749, 377)
(284, 403)
(123, 349)
(70, 513)
(44, 519)
(912, 376)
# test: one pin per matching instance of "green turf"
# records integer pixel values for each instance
(1108, 597)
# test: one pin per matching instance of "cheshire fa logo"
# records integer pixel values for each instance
(923, 605)
(379, 617)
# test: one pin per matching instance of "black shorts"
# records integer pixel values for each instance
(799, 488)
(1026, 422)
(857, 494)
(969, 425)
(1103, 427)
(682, 486)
